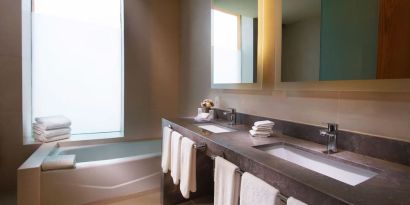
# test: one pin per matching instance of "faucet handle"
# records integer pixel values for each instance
(331, 126)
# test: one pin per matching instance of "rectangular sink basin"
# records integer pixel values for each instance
(214, 128)
(338, 170)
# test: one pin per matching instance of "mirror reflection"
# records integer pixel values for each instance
(234, 41)
(326, 40)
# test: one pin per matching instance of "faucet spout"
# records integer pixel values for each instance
(230, 114)
(331, 134)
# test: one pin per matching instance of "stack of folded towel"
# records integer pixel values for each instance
(262, 128)
(47, 129)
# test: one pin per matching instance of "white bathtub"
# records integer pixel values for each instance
(103, 171)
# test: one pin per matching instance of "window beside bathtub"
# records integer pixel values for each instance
(73, 63)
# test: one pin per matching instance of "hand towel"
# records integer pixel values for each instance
(166, 149)
(51, 133)
(188, 167)
(226, 183)
(264, 123)
(175, 156)
(58, 162)
(253, 133)
(256, 191)
(51, 139)
(261, 128)
(52, 122)
(294, 201)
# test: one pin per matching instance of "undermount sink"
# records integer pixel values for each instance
(215, 128)
(340, 171)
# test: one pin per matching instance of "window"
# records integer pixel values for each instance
(226, 46)
(73, 59)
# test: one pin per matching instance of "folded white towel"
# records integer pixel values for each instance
(260, 134)
(176, 157)
(294, 201)
(52, 122)
(51, 133)
(262, 128)
(264, 123)
(58, 162)
(166, 149)
(256, 191)
(226, 183)
(188, 167)
(51, 139)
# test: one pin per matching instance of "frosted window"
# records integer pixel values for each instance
(77, 62)
(226, 48)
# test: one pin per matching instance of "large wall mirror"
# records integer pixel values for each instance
(236, 43)
(347, 40)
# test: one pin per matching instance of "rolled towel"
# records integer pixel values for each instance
(51, 133)
(188, 167)
(166, 149)
(51, 139)
(52, 122)
(58, 162)
(264, 123)
(294, 201)
(257, 191)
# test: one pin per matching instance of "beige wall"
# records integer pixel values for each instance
(151, 76)
(151, 65)
(383, 114)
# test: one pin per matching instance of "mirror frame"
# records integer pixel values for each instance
(380, 85)
(259, 77)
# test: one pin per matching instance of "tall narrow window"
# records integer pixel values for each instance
(76, 63)
(226, 47)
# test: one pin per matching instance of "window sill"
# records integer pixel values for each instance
(80, 137)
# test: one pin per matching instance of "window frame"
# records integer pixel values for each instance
(26, 51)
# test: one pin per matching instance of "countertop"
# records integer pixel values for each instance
(391, 185)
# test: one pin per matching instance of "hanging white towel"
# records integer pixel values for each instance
(294, 201)
(58, 162)
(256, 191)
(188, 167)
(52, 122)
(175, 156)
(166, 149)
(226, 183)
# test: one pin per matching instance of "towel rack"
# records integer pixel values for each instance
(200, 147)
(282, 197)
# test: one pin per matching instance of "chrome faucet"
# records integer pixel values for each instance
(331, 134)
(230, 114)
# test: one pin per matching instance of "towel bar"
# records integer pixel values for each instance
(282, 197)
(200, 147)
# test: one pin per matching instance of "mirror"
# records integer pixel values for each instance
(328, 40)
(234, 42)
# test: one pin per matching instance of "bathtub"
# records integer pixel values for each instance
(103, 171)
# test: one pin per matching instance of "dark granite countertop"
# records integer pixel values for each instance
(391, 185)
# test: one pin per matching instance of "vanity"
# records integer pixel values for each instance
(284, 161)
